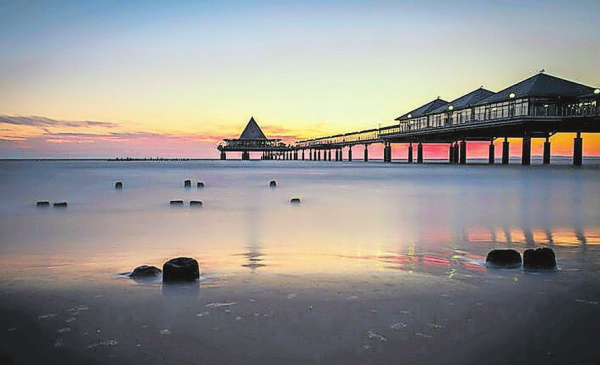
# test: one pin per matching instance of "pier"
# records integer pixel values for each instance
(253, 139)
(537, 107)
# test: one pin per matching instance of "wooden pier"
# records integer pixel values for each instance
(253, 139)
(537, 107)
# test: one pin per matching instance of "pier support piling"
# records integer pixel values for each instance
(329, 155)
(350, 153)
(456, 153)
(366, 157)
(492, 153)
(245, 156)
(463, 152)
(546, 159)
(420, 153)
(526, 153)
(578, 150)
(410, 153)
(505, 151)
(223, 155)
(451, 153)
(387, 152)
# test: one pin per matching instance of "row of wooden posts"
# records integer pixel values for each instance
(457, 152)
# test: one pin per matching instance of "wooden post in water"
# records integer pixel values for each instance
(505, 151)
(492, 153)
(350, 153)
(329, 155)
(526, 153)
(578, 150)
(420, 153)
(547, 151)
(451, 153)
(366, 158)
(223, 155)
(410, 153)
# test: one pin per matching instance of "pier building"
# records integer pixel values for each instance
(537, 107)
(253, 139)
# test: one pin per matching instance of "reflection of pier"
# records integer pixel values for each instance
(458, 251)
(538, 107)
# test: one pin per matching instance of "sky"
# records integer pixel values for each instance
(149, 78)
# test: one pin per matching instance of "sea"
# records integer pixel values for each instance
(377, 264)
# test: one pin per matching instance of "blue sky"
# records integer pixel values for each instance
(301, 68)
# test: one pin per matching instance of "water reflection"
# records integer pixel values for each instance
(181, 289)
(254, 254)
(464, 251)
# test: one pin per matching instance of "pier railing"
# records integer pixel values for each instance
(521, 110)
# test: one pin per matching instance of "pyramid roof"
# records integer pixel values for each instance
(424, 109)
(252, 131)
(541, 84)
(468, 99)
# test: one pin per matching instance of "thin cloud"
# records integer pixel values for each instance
(35, 121)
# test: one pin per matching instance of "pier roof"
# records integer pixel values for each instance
(541, 85)
(471, 98)
(252, 131)
(424, 109)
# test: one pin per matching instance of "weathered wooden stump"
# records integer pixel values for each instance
(145, 272)
(539, 259)
(181, 269)
(503, 258)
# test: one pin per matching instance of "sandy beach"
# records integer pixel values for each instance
(377, 265)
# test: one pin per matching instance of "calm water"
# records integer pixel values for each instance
(379, 263)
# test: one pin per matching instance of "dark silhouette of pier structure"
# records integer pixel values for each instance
(537, 107)
(253, 139)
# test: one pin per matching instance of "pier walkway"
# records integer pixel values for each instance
(537, 107)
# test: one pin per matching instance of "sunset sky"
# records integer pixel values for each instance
(148, 78)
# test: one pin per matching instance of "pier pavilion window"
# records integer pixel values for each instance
(542, 107)
(437, 120)
(420, 123)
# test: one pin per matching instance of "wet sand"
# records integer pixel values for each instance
(498, 317)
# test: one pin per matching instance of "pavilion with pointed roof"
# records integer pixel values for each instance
(253, 139)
